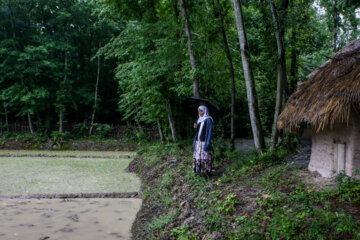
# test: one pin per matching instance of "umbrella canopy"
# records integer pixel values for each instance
(192, 103)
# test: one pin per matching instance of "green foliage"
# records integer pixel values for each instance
(253, 199)
(348, 188)
(220, 147)
(102, 129)
(160, 222)
(298, 215)
(48, 58)
(215, 221)
(31, 141)
(167, 180)
(135, 134)
(28, 140)
(271, 157)
(45, 54)
(289, 141)
(183, 233)
(59, 139)
(238, 159)
(80, 129)
(228, 206)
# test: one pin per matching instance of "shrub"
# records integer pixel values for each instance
(59, 138)
(271, 158)
(81, 129)
(348, 188)
(183, 233)
(228, 206)
(102, 129)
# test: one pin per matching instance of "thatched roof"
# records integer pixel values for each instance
(332, 90)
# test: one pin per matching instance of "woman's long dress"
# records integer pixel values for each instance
(203, 160)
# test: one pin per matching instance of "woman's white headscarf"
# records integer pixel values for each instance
(203, 118)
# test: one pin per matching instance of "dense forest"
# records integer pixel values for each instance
(69, 65)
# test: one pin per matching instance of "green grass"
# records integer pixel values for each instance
(50, 175)
(159, 222)
(77, 153)
(257, 197)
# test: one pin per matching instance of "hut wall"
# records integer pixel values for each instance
(356, 162)
(326, 152)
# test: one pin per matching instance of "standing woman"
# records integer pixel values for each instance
(203, 152)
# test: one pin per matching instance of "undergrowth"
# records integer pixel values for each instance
(253, 197)
(62, 141)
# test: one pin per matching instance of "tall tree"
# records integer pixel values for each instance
(190, 50)
(249, 79)
(281, 72)
(161, 134)
(219, 14)
(6, 117)
(95, 94)
(294, 63)
(171, 121)
(62, 93)
(335, 29)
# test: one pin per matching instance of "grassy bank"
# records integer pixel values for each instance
(251, 197)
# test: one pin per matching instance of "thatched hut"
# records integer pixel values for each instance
(330, 102)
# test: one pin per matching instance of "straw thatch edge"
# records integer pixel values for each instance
(329, 96)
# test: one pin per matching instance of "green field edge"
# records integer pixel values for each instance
(9, 155)
(76, 153)
(75, 195)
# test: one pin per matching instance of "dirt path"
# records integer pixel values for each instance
(244, 144)
(73, 219)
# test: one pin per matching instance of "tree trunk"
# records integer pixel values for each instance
(96, 94)
(294, 65)
(12, 25)
(335, 25)
(171, 120)
(190, 51)
(249, 80)
(30, 123)
(62, 107)
(61, 119)
(281, 75)
(232, 74)
(6, 118)
(281, 19)
(176, 10)
(160, 129)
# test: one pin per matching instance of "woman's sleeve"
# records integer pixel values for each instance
(209, 129)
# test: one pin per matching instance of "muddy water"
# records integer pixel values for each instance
(73, 219)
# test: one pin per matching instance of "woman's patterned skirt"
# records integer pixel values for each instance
(203, 160)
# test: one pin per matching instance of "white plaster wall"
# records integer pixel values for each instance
(356, 163)
(323, 144)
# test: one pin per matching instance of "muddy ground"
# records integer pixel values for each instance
(90, 219)
(73, 215)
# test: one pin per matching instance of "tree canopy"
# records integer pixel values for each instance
(139, 58)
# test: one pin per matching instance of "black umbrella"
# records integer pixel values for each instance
(192, 103)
